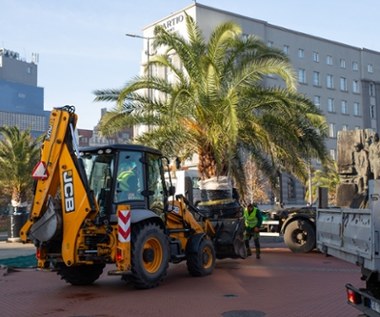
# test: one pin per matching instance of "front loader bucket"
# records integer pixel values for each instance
(229, 238)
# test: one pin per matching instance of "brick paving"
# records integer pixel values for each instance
(280, 284)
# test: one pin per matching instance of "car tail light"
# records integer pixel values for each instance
(353, 297)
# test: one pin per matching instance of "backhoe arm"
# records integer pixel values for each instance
(62, 198)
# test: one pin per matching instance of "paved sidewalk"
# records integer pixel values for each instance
(12, 248)
(280, 284)
(15, 249)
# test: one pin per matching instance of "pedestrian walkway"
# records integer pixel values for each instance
(17, 255)
(281, 283)
(22, 255)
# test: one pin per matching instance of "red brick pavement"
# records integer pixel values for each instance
(281, 284)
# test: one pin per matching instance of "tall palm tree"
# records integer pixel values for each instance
(19, 153)
(218, 107)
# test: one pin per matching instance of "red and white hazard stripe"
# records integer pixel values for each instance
(124, 225)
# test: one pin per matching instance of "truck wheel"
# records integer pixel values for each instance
(299, 236)
(201, 263)
(81, 274)
(150, 255)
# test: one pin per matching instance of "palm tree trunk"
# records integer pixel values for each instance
(213, 187)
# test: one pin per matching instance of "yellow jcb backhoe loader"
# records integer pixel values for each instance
(110, 205)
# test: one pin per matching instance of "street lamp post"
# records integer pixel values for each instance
(148, 54)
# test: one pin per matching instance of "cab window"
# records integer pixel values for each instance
(129, 180)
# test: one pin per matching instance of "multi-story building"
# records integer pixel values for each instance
(94, 138)
(21, 100)
(342, 80)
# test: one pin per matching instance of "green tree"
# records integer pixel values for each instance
(327, 178)
(19, 153)
(217, 106)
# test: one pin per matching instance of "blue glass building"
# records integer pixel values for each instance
(21, 100)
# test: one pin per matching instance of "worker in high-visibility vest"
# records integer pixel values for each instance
(253, 220)
(127, 181)
(126, 171)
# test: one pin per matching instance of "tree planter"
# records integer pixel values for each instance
(16, 219)
(217, 200)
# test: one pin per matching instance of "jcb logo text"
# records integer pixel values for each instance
(68, 191)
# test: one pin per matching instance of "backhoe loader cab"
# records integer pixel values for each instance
(110, 205)
(126, 174)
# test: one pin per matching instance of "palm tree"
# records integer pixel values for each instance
(218, 107)
(327, 178)
(18, 155)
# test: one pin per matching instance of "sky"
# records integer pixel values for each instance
(82, 45)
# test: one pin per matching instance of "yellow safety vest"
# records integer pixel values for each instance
(123, 178)
(250, 218)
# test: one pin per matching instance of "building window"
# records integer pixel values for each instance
(330, 105)
(316, 57)
(330, 81)
(372, 92)
(356, 109)
(344, 127)
(29, 70)
(329, 60)
(316, 79)
(24, 121)
(355, 66)
(332, 130)
(344, 107)
(370, 68)
(372, 112)
(270, 44)
(317, 101)
(343, 84)
(342, 63)
(285, 49)
(302, 76)
(355, 86)
(301, 53)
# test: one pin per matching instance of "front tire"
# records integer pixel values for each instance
(80, 274)
(202, 262)
(150, 255)
(299, 236)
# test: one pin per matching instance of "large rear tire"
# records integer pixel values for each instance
(150, 255)
(201, 263)
(299, 236)
(80, 274)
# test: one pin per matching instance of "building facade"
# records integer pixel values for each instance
(343, 81)
(94, 137)
(21, 100)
